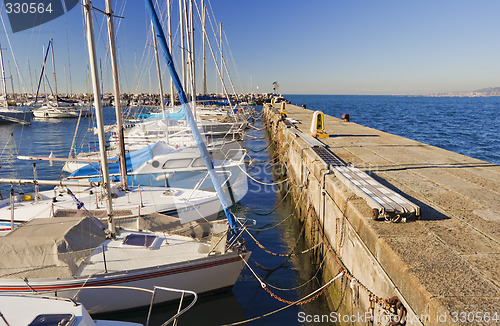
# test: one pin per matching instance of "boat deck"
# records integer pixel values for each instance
(168, 249)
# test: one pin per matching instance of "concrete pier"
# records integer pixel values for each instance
(444, 266)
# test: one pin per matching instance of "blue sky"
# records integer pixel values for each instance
(308, 47)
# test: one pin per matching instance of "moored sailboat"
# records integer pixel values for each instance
(76, 256)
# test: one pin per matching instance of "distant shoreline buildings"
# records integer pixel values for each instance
(27, 99)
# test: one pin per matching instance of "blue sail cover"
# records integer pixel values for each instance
(134, 160)
(179, 115)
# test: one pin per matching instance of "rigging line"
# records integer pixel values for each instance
(227, 72)
(290, 304)
(76, 131)
(219, 69)
(102, 20)
(69, 61)
(235, 67)
(7, 143)
(96, 9)
(148, 63)
(12, 52)
(83, 285)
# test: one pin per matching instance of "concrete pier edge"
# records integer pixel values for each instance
(442, 267)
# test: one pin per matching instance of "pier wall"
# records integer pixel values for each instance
(382, 260)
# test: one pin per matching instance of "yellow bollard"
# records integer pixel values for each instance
(283, 108)
(272, 101)
(318, 125)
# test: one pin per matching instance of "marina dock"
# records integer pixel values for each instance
(442, 261)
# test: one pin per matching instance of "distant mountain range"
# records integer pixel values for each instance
(491, 91)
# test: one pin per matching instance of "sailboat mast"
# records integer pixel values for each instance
(183, 57)
(11, 78)
(116, 89)
(169, 13)
(221, 55)
(191, 57)
(189, 115)
(53, 67)
(4, 82)
(162, 99)
(98, 112)
(187, 43)
(42, 73)
(219, 69)
(31, 77)
(203, 22)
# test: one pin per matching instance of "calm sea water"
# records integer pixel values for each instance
(469, 126)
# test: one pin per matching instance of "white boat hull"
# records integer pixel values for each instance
(201, 276)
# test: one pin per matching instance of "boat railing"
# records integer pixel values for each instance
(179, 311)
(231, 154)
(226, 174)
(153, 292)
(238, 231)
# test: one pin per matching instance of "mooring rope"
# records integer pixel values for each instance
(275, 225)
(278, 254)
(305, 283)
(283, 220)
(308, 298)
(260, 150)
(262, 182)
(252, 138)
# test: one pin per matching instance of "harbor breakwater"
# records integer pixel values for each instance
(443, 267)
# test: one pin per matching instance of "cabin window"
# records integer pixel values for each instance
(178, 163)
(53, 319)
(144, 240)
